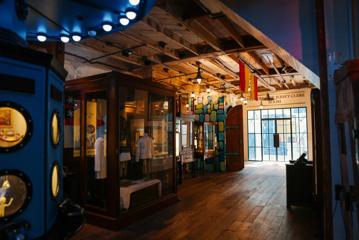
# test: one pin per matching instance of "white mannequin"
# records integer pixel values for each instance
(144, 152)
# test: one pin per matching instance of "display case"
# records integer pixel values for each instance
(120, 146)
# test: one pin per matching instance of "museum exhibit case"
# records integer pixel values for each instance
(120, 146)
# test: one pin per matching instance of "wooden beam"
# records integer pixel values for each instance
(223, 67)
(114, 52)
(261, 80)
(202, 32)
(259, 61)
(228, 25)
(206, 72)
(142, 39)
(149, 21)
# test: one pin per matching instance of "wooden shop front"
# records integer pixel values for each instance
(107, 116)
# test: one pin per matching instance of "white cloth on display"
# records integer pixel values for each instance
(100, 159)
(144, 148)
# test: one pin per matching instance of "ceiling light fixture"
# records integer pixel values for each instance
(41, 37)
(76, 37)
(127, 52)
(198, 76)
(65, 38)
(131, 14)
(208, 90)
(192, 94)
(123, 21)
(134, 2)
(245, 101)
(107, 27)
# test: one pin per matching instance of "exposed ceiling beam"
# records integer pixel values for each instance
(219, 7)
(149, 21)
(261, 80)
(202, 32)
(115, 52)
(228, 25)
(206, 72)
(141, 39)
(259, 61)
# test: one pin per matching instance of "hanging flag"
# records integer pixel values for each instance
(242, 83)
(244, 75)
(254, 88)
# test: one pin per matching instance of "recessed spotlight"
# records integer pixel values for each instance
(65, 38)
(131, 14)
(76, 37)
(92, 33)
(41, 37)
(124, 21)
(134, 2)
(107, 27)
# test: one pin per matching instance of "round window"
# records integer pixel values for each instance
(55, 128)
(15, 194)
(55, 180)
(15, 126)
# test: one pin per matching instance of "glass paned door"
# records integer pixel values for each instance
(284, 151)
(276, 150)
(268, 132)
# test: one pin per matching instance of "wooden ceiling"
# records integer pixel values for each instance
(176, 37)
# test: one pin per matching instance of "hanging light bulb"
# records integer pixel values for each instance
(64, 38)
(245, 101)
(134, 2)
(187, 105)
(131, 14)
(208, 90)
(261, 106)
(123, 21)
(192, 94)
(107, 27)
(199, 76)
(76, 37)
(41, 37)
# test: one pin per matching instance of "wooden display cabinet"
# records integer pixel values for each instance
(107, 114)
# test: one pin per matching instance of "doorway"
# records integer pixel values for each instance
(277, 135)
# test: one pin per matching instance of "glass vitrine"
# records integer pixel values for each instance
(121, 143)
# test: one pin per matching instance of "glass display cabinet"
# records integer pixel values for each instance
(119, 146)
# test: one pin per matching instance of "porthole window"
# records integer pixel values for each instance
(15, 126)
(15, 194)
(55, 128)
(55, 180)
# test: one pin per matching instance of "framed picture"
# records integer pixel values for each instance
(5, 118)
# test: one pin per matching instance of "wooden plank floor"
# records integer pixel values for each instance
(250, 204)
